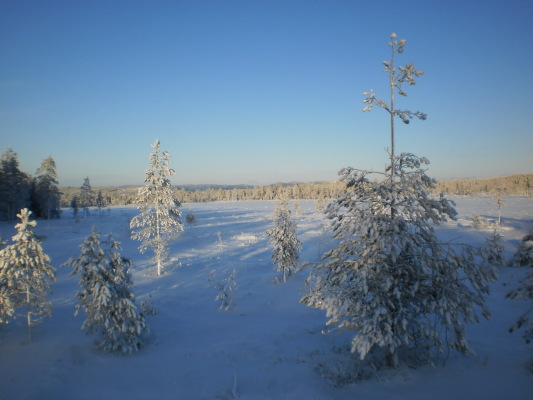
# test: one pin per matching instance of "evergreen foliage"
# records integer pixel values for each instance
(100, 201)
(493, 251)
(225, 292)
(389, 279)
(15, 186)
(25, 275)
(47, 193)
(285, 241)
(86, 197)
(524, 257)
(74, 204)
(159, 220)
(106, 297)
(190, 218)
(524, 253)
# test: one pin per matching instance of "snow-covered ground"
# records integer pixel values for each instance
(269, 346)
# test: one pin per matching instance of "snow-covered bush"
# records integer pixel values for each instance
(493, 251)
(524, 291)
(478, 222)
(524, 253)
(106, 297)
(147, 307)
(225, 292)
(190, 218)
(25, 275)
(283, 237)
(159, 220)
(389, 279)
(524, 257)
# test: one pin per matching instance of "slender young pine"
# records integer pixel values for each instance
(285, 241)
(390, 280)
(397, 77)
(159, 220)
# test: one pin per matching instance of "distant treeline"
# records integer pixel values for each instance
(120, 196)
(18, 189)
(511, 185)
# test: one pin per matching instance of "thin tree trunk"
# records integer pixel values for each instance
(28, 312)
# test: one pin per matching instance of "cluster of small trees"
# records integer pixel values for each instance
(20, 190)
(105, 287)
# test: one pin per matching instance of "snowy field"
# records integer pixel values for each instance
(269, 346)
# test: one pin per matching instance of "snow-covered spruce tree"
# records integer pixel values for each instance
(106, 297)
(74, 204)
(524, 291)
(100, 201)
(225, 292)
(283, 237)
(46, 190)
(389, 279)
(493, 251)
(25, 274)
(15, 186)
(159, 220)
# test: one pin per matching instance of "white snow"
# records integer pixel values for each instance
(269, 346)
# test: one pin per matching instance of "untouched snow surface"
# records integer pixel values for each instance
(269, 346)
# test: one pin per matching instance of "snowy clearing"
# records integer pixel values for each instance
(269, 346)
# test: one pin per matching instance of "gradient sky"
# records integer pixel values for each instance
(258, 92)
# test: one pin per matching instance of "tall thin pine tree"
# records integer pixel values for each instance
(159, 220)
(390, 279)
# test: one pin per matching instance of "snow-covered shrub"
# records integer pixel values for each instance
(25, 275)
(524, 253)
(225, 292)
(525, 291)
(147, 306)
(159, 220)
(106, 297)
(478, 222)
(493, 251)
(190, 218)
(283, 237)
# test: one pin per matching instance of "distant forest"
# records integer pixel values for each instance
(510, 185)
(42, 194)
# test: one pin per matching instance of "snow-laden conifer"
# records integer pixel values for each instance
(159, 220)
(25, 274)
(493, 251)
(524, 257)
(283, 237)
(389, 279)
(106, 297)
(225, 292)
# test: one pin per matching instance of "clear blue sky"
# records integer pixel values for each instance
(260, 92)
